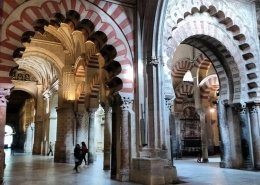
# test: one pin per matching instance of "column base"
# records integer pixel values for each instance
(153, 171)
(205, 160)
(124, 175)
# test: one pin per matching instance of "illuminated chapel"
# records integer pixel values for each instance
(142, 82)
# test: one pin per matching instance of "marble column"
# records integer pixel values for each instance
(175, 132)
(3, 104)
(166, 133)
(153, 107)
(91, 136)
(124, 165)
(107, 138)
(224, 136)
(204, 139)
(255, 130)
(246, 136)
(233, 119)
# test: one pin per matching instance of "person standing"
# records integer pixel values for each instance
(50, 149)
(77, 157)
(84, 150)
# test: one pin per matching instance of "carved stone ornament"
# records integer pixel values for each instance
(3, 93)
(169, 103)
(127, 103)
(153, 61)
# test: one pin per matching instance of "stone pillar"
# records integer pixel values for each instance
(3, 103)
(91, 136)
(153, 107)
(166, 133)
(204, 139)
(255, 128)
(80, 128)
(38, 134)
(28, 138)
(246, 137)
(124, 165)
(224, 136)
(66, 134)
(233, 119)
(175, 132)
(107, 138)
(46, 123)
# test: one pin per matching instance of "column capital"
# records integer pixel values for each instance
(127, 103)
(153, 60)
(169, 103)
(4, 92)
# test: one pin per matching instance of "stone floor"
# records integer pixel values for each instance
(24, 169)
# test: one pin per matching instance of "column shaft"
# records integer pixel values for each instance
(107, 139)
(91, 137)
(124, 165)
(254, 117)
(204, 139)
(224, 135)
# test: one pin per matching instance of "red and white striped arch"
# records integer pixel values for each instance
(202, 62)
(107, 17)
(181, 67)
(208, 85)
(182, 90)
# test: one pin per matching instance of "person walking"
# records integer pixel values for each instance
(50, 149)
(77, 157)
(84, 150)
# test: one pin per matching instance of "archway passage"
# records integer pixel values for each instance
(20, 114)
(227, 47)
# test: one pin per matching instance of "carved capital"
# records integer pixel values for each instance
(153, 61)
(243, 109)
(127, 103)
(169, 103)
(4, 92)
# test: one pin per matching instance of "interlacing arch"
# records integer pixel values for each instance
(182, 90)
(208, 85)
(104, 17)
(205, 28)
(180, 68)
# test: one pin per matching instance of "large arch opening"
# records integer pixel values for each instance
(194, 95)
(20, 117)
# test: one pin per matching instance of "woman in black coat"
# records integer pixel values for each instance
(77, 157)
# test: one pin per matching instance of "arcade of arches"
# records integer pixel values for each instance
(144, 82)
